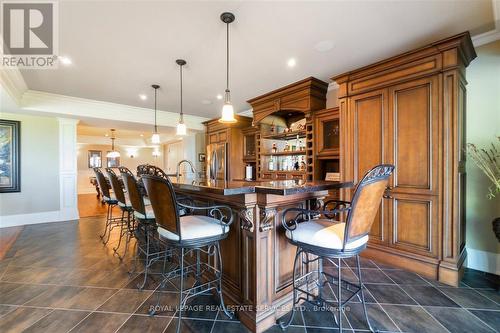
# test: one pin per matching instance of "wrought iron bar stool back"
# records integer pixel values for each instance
(126, 226)
(190, 234)
(145, 231)
(334, 241)
(110, 202)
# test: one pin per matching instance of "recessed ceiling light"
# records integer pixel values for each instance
(291, 62)
(142, 135)
(324, 45)
(219, 96)
(106, 134)
(65, 61)
(143, 97)
(206, 102)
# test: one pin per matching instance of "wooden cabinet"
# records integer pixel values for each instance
(409, 111)
(327, 145)
(327, 128)
(276, 114)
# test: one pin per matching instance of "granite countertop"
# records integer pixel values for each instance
(278, 187)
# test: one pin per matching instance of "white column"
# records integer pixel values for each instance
(68, 169)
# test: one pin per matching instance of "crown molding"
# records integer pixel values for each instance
(75, 107)
(487, 37)
(333, 86)
(492, 35)
(13, 82)
(246, 113)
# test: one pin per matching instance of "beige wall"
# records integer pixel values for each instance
(141, 156)
(39, 167)
(483, 124)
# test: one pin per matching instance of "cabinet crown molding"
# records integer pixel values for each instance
(449, 53)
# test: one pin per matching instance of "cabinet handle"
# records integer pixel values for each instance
(385, 196)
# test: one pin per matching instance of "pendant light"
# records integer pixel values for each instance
(181, 127)
(155, 138)
(113, 153)
(227, 109)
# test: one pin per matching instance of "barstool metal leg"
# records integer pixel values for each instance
(363, 295)
(106, 225)
(282, 324)
(180, 290)
(146, 261)
(219, 284)
(339, 296)
(122, 221)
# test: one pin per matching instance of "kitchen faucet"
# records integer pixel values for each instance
(178, 173)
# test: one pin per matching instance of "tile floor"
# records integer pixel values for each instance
(58, 277)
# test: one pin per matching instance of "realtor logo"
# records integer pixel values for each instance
(29, 34)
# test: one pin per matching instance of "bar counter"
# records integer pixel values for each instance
(257, 259)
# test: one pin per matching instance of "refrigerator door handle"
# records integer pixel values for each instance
(213, 165)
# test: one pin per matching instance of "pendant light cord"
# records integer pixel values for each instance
(227, 57)
(156, 127)
(182, 114)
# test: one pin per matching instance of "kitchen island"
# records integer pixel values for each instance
(257, 259)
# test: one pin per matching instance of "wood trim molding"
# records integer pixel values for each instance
(74, 107)
(418, 61)
(13, 82)
(68, 198)
(35, 218)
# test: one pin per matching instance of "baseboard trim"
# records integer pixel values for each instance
(483, 261)
(36, 218)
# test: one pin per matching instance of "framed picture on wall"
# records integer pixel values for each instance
(112, 162)
(10, 160)
(95, 159)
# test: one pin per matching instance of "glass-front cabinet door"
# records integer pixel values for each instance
(328, 132)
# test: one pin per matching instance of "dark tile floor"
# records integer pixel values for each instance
(58, 277)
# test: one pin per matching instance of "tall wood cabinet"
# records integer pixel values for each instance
(409, 111)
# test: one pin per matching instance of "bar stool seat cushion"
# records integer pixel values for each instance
(323, 233)
(149, 213)
(195, 227)
(110, 200)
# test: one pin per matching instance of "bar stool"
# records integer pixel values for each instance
(148, 243)
(325, 238)
(126, 225)
(148, 169)
(188, 234)
(110, 201)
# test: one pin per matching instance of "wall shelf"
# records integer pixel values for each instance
(285, 153)
(285, 136)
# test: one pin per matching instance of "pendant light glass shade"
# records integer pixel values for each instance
(181, 129)
(227, 114)
(113, 153)
(227, 109)
(155, 138)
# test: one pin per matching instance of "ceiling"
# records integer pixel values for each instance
(120, 48)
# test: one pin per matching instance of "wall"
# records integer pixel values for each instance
(39, 167)
(141, 155)
(191, 146)
(483, 124)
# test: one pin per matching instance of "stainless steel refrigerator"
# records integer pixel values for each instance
(217, 161)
